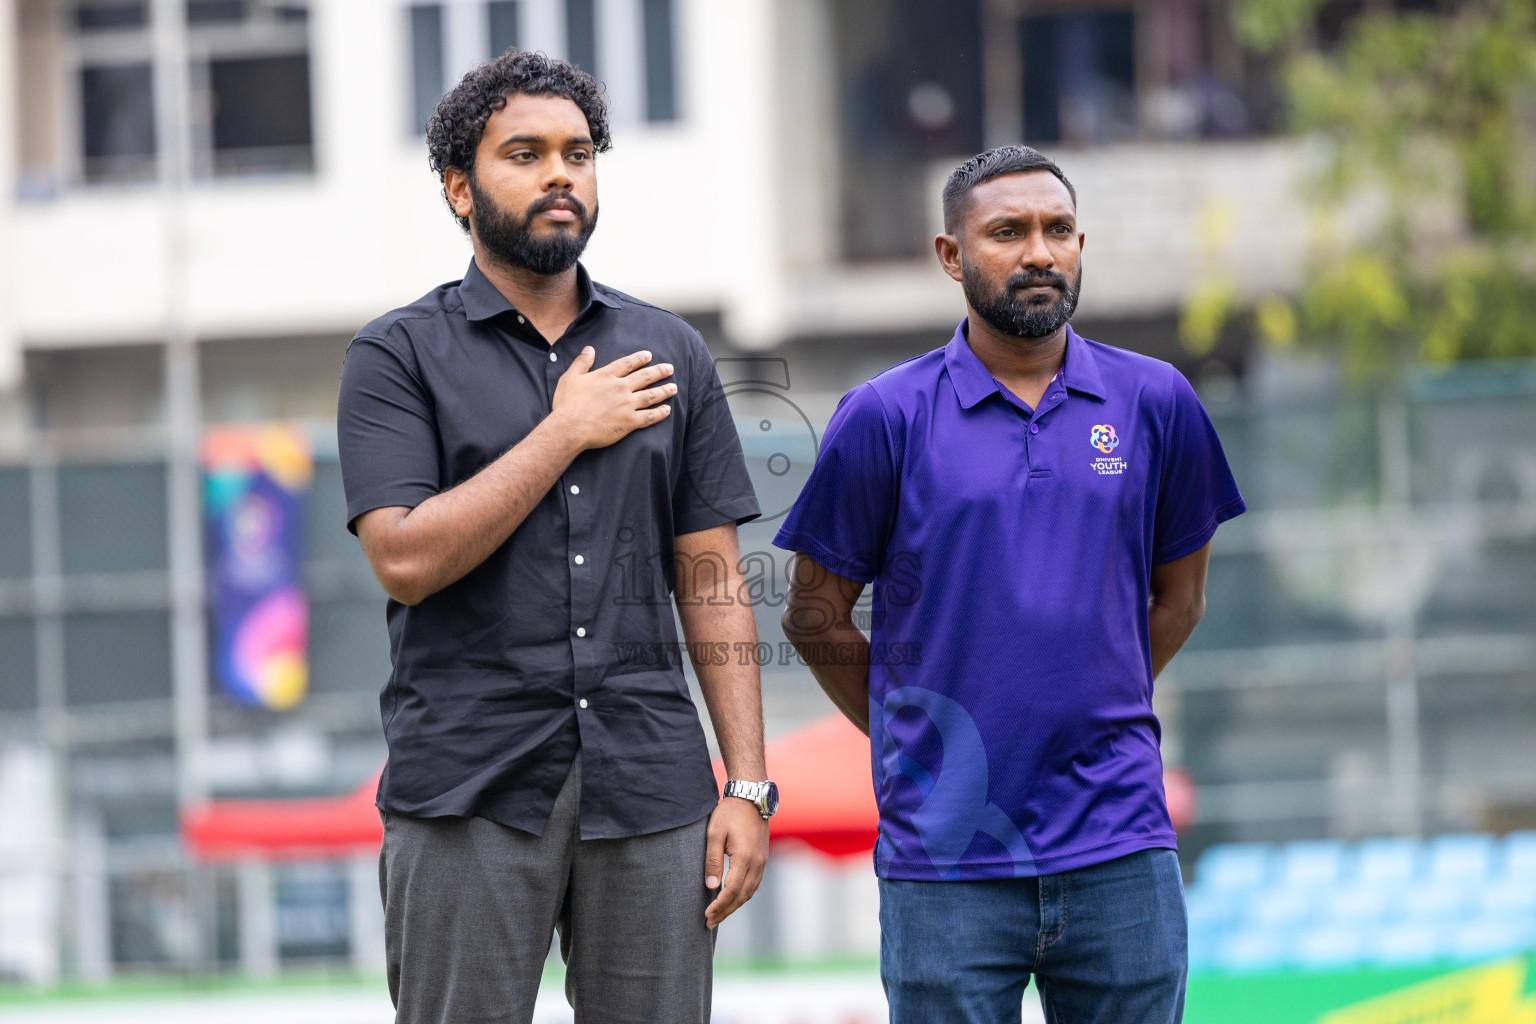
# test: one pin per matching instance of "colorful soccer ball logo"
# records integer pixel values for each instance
(1103, 438)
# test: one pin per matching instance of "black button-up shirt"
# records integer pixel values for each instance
(501, 676)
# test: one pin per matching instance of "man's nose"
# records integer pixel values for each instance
(556, 178)
(1036, 253)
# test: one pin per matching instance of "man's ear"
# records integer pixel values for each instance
(948, 249)
(456, 184)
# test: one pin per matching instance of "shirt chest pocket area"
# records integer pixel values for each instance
(653, 444)
(471, 439)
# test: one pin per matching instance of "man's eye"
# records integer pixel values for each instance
(1004, 233)
(580, 155)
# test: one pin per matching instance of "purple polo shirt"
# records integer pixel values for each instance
(1011, 551)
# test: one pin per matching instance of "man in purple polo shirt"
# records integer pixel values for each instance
(1034, 511)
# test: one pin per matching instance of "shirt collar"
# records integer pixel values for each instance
(972, 382)
(482, 300)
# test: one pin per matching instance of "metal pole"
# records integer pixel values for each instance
(184, 519)
(1405, 767)
(183, 405)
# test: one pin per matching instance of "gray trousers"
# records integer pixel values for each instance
(470, 907)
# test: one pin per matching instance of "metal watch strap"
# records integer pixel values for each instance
(753, 792)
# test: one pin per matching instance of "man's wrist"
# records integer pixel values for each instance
(763, 795)
(564, 432)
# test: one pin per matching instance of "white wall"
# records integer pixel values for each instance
(29, 855)
(689, 210)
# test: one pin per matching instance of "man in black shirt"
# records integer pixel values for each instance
(529, 457)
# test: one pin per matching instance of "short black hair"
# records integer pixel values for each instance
(455, 129)
(995, 163)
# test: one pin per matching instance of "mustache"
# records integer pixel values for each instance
(554, 199)
(1036, 279)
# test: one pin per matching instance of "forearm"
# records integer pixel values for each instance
(732, 691)
(819, 622)
(838, 658)
(1168, 627)
(441, 540)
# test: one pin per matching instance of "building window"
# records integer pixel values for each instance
(426, 62)
(1079, 77)
(117, 121)
(501, 23)
(581, 35)
(660, 69)
(260, 113)
(248, 74)
(449, 37)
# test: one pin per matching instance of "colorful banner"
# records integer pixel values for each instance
(256, 478)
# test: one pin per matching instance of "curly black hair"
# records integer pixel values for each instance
(454, 131)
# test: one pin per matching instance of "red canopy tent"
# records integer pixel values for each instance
(822, 771)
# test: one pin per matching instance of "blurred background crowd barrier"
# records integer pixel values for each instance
(201, 200)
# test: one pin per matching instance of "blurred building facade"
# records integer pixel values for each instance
(1366, 662)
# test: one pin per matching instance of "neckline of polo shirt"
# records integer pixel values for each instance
(483, 300)
(973, 382)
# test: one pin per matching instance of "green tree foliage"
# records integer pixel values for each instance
(1423, 207)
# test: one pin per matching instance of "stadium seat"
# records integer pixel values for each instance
(1489, 937)
(1203, 949)
(1316, 862)
(1234, 866)
(1506, 895)
(1402, 944)
(1359, 905)
(1390, 902)
(1327, 947)
(1460, 858)
(1253, 950)
(1281, 907)
(1391, 861)
(1435, 902)
(1209, 909)
(1519, 858)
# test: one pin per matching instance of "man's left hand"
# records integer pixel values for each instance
(738, 831)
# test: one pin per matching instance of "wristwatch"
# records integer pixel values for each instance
(764, 795)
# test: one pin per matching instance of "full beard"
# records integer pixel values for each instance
(1022, 317)
(511, 240)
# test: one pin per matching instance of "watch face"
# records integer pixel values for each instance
(771, 798)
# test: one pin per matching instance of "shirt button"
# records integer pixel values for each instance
(1034, 428)
(520, 319)
(579, 559)
(575, 489)
(582, 703)
(581, 630)
(554, 358)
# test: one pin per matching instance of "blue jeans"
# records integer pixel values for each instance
(1106, 944)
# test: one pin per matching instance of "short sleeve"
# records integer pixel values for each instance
(845, 512)
(385, 430)
(714, 486)
(1196, 491)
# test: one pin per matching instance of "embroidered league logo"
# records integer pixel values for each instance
(1103, 438)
